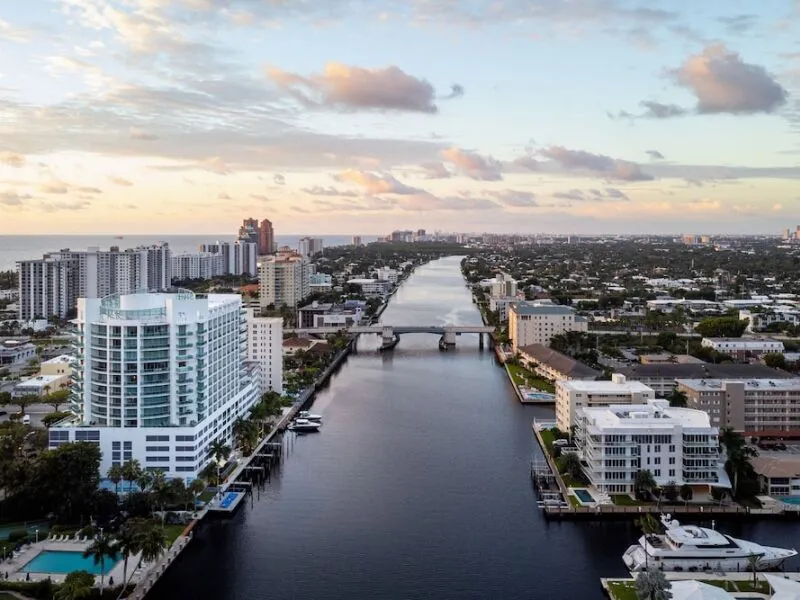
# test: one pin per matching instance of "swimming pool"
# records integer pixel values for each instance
(228, 499)
(583, 495)
(540, 396)
(790, 499)
(57, 561)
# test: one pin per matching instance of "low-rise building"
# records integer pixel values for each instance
(59, 365)
(500, 305)
(40, 385)
(759, 321)
(664, 358)
(756, 407)
(537, 322)
(573, 395)
(663, 377)
(779, 474)
(555, 366)
(371, 286)
(742, 348)
(677, 445)
(16, 351)
(387, 274)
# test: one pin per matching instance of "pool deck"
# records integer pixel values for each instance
(215, 504)
(13, 567)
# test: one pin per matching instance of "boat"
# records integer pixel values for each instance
(304, 414)
(304, 425)
(693, 548)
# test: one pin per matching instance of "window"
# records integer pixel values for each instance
(157, 438)
(87, 436)
(157, 459)
(157, 448)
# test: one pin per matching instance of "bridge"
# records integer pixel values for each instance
(390, 334)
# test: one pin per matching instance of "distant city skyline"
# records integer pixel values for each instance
(339, 117)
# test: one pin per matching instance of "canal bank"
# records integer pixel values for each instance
(416, 488)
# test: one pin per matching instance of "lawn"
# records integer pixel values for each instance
(626, 590)
(525, 378)
(547, 438)
(574, 501)
(206, 496)
(626, 500)
(171, 532)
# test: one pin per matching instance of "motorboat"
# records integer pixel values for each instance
(304, 414)
(693, 548)
(304, 425)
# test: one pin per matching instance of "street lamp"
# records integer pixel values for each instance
(37, 534)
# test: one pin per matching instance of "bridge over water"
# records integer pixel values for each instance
(390, 334)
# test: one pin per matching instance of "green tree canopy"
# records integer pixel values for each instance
(722, 327)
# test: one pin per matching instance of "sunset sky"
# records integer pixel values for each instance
(348, 116)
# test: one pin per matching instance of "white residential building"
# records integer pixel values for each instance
(387, 274)
(503, 286)
(265, 347)
(243, 258)
(574, 395)
(160, 376)
(283, 279)
(675, 444)
(308, 246)
(371, 286)
(51, 285)
(741, 348)
(537, 322)
(758, 321)
(501, 306)
(197, 265)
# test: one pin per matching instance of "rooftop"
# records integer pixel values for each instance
(749, 384)
(63, 358)
(772, 465)
(533, 308)
(654, 414)
(701, 370)
(560, 362)
(40, 380)
(605, 387)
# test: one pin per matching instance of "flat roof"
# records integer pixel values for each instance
(749, 384)
(654, 414)
(62, 358)
(604, 387)
(703, 370)
(40, 380)
(531, 308)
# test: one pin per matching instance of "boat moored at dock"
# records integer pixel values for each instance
(304, 414)
(304, 425)
(693, 548)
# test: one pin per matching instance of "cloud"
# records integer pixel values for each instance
(11, 34)
(473, 165)
(58, 206)
(139, 134)
(435, 170)
(261, 197)
(87, 189)
(54, 188)
(425, 201)
(656, 110)
(723, 83)
(526, 163)
(346, 88)
(615, 193)
(279, 179)
(375, 183)
(12, 159)
(120, 181)
(9, 198)
(593, 195)
(514, 198)
(580, 160)
(319, 190)
(654, 154)
(576, 195)
(223, 196)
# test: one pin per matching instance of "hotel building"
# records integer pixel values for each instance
(159, 377)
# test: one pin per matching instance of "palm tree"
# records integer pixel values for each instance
(152, 540)
(196, 488)
(77, 585)
(219, 451)
(570, 464)
(103, 547)
(127, 544)
(145, 481)
(131, 470)
(649, 526)
(752, 564)
(653, 585)
(686, 493)
(738, 453)
(644, 483)
(115, 476)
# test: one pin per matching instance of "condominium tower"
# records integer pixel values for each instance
(283, 280)
(159, 377)
(265, 347)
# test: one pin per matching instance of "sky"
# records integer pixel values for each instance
(365, 116)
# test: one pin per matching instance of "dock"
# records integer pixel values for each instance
(734, 582)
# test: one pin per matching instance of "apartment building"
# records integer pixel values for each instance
(266, 238)
(756, 407)
(663, 378)
(197, 265)
(371, 287)
(503, 286)
(574, 395)
(742, 348)
(265, 347)
(555, 366)
(283, 279)
(50, 286)
(676, 445)
(537, 322)
(159, 377)
(308, 246)
(758, 321)
(387, 274)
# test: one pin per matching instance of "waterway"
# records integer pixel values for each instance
(416, 488)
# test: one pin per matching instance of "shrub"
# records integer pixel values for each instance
(17, 535)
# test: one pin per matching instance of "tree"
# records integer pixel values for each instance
(677, 398)
(127, 544)
(102, 548)
(145, 481)
(115, 476)
(722, 327)
(570, 463)
(643, 483)
(670, 491)
(66, 479)
(57, 398)
(196, 488)
(686, 493)
(131, 470)
(152, 540)
(21, 401)
(77, 585)
(752, 564)
(652, 584)
(776, 360)
(220, 452)
(739, 454)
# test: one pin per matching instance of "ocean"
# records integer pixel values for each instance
(23, 247)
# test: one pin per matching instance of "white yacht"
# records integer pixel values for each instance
(692, 548)
(304, 414)
(304, 425)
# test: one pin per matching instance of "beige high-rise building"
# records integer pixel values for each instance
(283, 279)
(537, 322)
